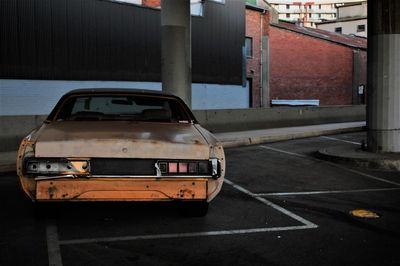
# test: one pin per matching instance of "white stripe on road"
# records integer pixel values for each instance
(306, 225)
(342, 140)
(363, 174)
(272, 205)
(324, 192)
(285, 152)
(333, 164)
(183, 235)
(53, 244)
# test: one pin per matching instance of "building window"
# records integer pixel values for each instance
(248, 46)
(360, 28)
(319, 15)
(287, 15)
(338, 30)
(287, 6)
(196, 8)
(250, 86)
(319, 6)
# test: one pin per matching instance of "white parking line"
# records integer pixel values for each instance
(183, 235)
(305, 225)
(342, 140)
(333, 164)
(324, 192)
(272, 205)
(285, 152)
(53, 244)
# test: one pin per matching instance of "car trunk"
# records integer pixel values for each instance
(120, 139)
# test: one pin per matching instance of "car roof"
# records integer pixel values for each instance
(117, 91)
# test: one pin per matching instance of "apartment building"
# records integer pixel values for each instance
(308, 12)
(351, 19)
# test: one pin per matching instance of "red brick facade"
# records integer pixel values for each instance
(151, 3)
(254, 18)
(304, 67)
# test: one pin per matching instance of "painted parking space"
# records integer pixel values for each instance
(235, 212)
(271, 218)
(282, 171)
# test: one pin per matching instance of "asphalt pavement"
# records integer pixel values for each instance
(280, 205)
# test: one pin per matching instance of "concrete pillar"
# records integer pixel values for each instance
(265, 101)
(176, 50)
(383, 107)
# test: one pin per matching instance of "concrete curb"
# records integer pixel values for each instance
(245, 141)
(380, 162)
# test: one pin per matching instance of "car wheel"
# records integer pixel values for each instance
(194, 208)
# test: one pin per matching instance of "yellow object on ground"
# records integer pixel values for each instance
(364, 213)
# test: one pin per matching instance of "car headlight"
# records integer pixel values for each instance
(57, 166)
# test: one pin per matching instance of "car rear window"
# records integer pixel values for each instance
(120, 107)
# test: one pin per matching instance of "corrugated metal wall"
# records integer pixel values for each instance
(101, 40)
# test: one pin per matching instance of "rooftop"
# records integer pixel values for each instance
(342, 39)
(345, 19)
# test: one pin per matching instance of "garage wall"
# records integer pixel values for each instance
(104, 40)
(262, 118)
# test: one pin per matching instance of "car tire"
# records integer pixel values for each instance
(194, 208)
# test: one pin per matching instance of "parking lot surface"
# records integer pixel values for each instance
(280, 205)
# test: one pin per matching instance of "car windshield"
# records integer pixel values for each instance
(120, 107)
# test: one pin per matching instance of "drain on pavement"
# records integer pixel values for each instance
(364, 214)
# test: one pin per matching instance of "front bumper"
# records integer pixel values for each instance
(122, 189)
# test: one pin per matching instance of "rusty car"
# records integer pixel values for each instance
(121, 145)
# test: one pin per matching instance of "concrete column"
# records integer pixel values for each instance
(265, 73)
(383, 107)
(176, 49)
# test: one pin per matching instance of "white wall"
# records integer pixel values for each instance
(214, 96)
(348, 27)
(38, 97)
(353, 11)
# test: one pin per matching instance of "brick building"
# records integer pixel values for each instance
(257, 28)
(308, 63)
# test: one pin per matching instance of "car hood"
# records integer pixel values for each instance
(120, 139)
